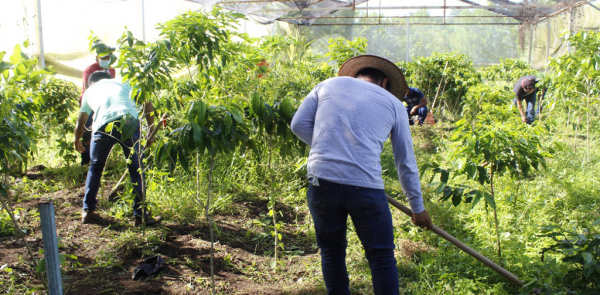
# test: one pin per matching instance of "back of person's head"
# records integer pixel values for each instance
(376, 75)
(97, 76)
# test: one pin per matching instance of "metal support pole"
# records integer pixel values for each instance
(407, 40)
(549, 40)
(143, 23)
(50, 248)
(530, 42)
(570, 28)
(42, 59)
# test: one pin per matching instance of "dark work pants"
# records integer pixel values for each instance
(421, 112)
(529, 106)
(100, 147)
(330, 204)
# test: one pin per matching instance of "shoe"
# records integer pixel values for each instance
(149, 220)
(87, 216)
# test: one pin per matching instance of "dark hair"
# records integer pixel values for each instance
(528, 83)
(373, 73)
(97, 76)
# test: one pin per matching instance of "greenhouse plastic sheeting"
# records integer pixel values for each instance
(547, 40)
(296, 12)
(67, 24)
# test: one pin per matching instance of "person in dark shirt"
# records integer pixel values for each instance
(416, 104)
(525, 89)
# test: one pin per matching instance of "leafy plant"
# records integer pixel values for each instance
(101, 48)
(443, 78)
(482, 150)
(580, 248)
(508, 70)
(19, 99)
(340, 49)
(576, 78)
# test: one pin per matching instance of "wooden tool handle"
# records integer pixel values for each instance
(448, 237)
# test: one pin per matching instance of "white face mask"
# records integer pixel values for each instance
(104, 63)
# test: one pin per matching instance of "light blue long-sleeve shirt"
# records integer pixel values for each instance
(346, 122)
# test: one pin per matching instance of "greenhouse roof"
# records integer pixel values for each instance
(393, 12)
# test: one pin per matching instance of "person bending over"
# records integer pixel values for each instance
(416, 104)
(525, 90)
(111, 104)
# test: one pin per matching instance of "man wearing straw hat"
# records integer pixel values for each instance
(346, 121)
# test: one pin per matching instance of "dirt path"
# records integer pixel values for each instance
(107, 252)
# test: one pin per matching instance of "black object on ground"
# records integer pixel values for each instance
(152, 265)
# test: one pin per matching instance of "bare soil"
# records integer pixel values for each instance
(107, 251)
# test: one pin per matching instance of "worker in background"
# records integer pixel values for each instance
(346, 121)
(416, 105)
(112, 105)
(103, 62)
(525, 90)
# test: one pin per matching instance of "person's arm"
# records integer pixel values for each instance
(303, 123)
(79, 127)
(421, 104)
(406, 166)
(84, 77)
(521, 111)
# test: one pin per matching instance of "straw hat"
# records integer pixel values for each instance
(396, 84)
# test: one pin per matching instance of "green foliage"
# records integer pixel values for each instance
(575, 76)
(443, 78)
(340, 49)
(144, 66)
(201, 40)
(101, 49)
(508, 70)
(20, 97)
(57, 106)
(580, 249)
(7, 227)
(488, 102)
(514, 148)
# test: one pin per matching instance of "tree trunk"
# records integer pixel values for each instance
(210, 225)
(273, 201)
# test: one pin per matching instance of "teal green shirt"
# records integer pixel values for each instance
(109, 100)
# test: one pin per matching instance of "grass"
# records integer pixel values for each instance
(563, 194)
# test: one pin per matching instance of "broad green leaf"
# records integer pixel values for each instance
(587, 258)
(4, 65)
(16, 57)
(237, 116)
(489, 200)
(41, 266)
(200, 112)
(456, 199)
(256, 104)
(109, 127)
(286, 106)
(444, 176)
(227, 121)
(197, 135)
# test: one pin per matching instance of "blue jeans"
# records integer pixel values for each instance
(421, 112)
(530, 108)
(100, 146)
(330, 204)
